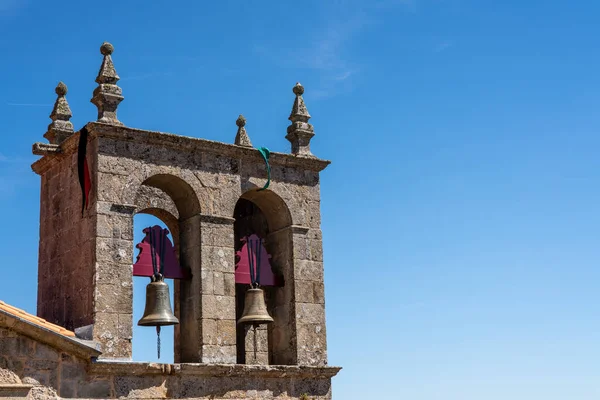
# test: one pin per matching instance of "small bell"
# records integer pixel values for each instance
(255, 309)
(158, 311)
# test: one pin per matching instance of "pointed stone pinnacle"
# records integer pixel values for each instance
(242, 138)
(60, 128)
(299, 110)
(107, 95)
(300, 131)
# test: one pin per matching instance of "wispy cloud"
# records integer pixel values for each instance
(445, 45)
(327, 51)
(344, 76)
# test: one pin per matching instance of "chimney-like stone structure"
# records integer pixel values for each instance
(210, 195)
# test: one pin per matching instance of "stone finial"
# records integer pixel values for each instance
(60, 128)
(300, 131)
(107, 95)
(242, 138)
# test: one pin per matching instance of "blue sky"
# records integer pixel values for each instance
(464, 136)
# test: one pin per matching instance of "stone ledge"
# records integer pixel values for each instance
(216, 219)
(14, 390)
(107, 367)
(178, 142)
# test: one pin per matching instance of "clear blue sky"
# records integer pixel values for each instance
(461, 212)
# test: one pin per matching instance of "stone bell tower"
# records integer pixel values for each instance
(212, 197)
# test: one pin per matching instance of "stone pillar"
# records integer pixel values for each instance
(309, 297)
(281, 302)
(218, 290)
(190, 307)
(113, 279)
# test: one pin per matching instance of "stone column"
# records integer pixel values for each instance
(218, 290)
(281, 302)
(189, 308)
(309, 297)
(113, 279)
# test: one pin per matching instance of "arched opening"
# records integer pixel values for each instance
(172, 204)
(264, 214)
(144, 343)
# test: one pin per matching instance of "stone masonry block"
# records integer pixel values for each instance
(106, 327)
(114, 298)
(313, 345)
(207, 281)
(16, 347)
(226, 332)
(313, 214)
(219, 354)
(301, 247)
(319, 292)
(229, 283)
(44, 352)
(305, 291)
(112, 165)
(219, 283)
(310, 313)
(218, 307)
(95, 389)
(72, 371)
(110, 187)
(218, 258)
(309, 270)
(219, 235)
(114, 250)
(113, 273)
(209, 331)
(125, 328)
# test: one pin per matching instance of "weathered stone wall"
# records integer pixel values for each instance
(50, 372)
(67, 239)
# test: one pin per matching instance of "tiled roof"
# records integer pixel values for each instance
(42, 323)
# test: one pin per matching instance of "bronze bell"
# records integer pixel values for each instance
(255, 309)
(158, 310)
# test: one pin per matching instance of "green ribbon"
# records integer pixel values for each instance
(265, 153)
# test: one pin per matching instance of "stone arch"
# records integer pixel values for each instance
(181, 186)
(173, 200)
(153, 201)
(265, 213)
(274, 208)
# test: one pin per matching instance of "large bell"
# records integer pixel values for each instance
(158, 310)
(255, 309)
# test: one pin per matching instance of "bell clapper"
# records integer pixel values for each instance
(255, 343)
(158, 341)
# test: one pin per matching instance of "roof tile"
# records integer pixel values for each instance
(17, 312)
